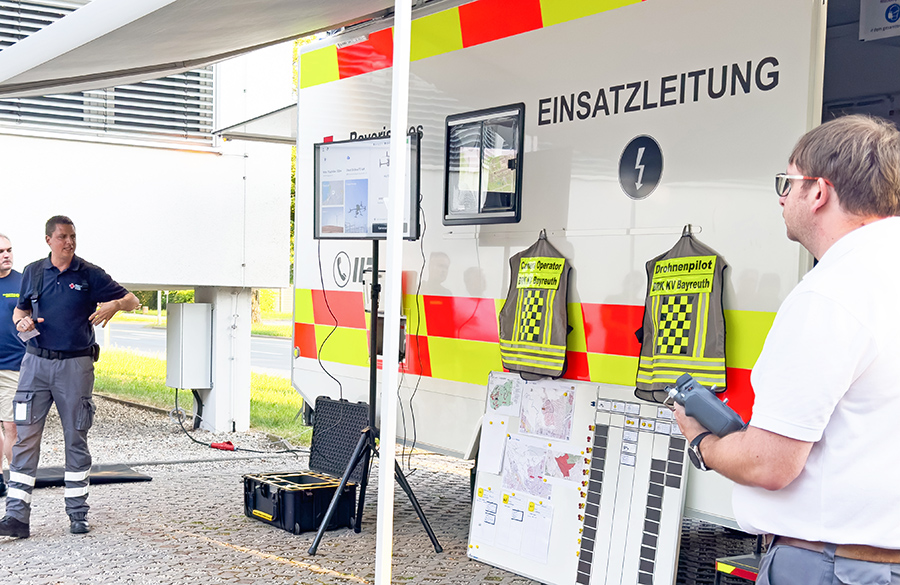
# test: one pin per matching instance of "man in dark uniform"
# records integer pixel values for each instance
(62, 298)
(11, 351)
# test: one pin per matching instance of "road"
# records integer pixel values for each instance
(268, 355)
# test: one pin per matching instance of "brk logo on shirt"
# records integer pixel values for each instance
(74, 286)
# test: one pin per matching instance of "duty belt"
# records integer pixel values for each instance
(858, 552)
(59, 355)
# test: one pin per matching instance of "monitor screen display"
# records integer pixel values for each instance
(351, 189)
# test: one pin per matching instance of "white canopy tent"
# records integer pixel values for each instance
(278, 126)
(108, 42)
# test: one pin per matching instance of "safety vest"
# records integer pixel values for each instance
(534, 320)
(684, 321)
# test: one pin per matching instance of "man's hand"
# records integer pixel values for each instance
(105, 312)
(23, 320)
(689, 426)
(27, 324)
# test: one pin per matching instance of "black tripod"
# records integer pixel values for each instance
(365, 447)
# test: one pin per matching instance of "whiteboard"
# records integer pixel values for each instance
(577, 483)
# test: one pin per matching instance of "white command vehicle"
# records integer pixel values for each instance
(722, 88)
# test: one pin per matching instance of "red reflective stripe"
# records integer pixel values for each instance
(468, 318)
(739, 392)
(610, 328)
(416, 353)
(489, 20)
(347, 306)
(305, 339)
(371, 55)
(577, 366)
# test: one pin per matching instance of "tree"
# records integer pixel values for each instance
(255, 311)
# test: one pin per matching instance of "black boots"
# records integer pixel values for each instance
(9, 526)
(79, 524)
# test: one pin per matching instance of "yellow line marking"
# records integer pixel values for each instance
(277, 559)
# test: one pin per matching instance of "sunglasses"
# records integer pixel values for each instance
(783, 182)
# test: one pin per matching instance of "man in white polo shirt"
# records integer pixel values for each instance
(818, 467)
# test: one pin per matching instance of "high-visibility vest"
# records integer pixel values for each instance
(684, 321)
(534, 321)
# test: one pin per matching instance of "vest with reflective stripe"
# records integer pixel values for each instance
(534, 320)
(684, 321)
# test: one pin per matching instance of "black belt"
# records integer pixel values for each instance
(59, 355)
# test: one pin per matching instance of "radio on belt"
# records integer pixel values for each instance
(701, 403)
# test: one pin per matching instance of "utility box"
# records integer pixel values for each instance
(189, 345)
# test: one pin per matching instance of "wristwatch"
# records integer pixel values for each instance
(694, 452)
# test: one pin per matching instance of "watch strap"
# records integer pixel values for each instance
(695, 450)
(699, 438)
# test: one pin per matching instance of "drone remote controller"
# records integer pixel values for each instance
(702, 404)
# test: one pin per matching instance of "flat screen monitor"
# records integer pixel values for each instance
(351, 189)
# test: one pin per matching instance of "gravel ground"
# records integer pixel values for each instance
(187, 525)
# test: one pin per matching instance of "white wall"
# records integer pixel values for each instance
(160, 217)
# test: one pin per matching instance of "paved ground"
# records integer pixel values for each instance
(187, 526)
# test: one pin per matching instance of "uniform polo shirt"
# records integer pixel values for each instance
(11, 347)
(828, 375)
(66, 302)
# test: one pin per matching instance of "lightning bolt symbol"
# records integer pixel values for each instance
(640, 168)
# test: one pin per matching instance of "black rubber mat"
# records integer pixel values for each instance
(108, 473)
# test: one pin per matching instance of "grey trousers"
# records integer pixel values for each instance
(70, 384)
(788, 565)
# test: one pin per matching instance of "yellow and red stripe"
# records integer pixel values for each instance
(457, 339)
(469, 25)
(742, 572)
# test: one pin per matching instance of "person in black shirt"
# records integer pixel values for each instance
(62, 298)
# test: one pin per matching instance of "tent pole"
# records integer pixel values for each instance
(390, 378)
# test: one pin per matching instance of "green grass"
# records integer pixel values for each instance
(142, 379)
(271, 330)
(129, 317)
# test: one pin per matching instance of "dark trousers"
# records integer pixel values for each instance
(70, 384)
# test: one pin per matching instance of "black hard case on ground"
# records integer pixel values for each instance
(297, 501)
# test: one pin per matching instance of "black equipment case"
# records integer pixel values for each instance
(297, 501)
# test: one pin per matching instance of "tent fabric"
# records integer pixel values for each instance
(109, 42)
(278, 126)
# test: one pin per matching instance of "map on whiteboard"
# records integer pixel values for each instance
(505, 393)
(565, 465)
(524, 467)
(547, 410)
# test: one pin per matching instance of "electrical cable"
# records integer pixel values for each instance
(420, 309)
(178, 415)
(330, 333)
(338, 424)
(402, 417)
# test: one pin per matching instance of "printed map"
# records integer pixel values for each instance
(524, 467)
(505, 393)
(547, 410)
(565, 465)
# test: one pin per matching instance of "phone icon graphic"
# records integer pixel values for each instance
(342, 269)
